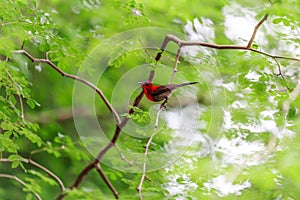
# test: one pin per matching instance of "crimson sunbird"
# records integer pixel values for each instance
(158, 93)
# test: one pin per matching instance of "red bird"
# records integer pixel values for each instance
(158, 93)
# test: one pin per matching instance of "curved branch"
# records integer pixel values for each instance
(30, 161)
(71, 76)
(21, 182)
(62, 187)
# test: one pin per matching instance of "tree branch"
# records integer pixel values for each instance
(19, 95)
(255, 30)
(21, 182)
(280, 74)
(62, 187)
(106, 180)
(139, 189)
(71, 76)
(113, 141)
(181, 43)
(30, 161)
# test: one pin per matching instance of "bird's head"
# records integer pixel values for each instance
(147, 82)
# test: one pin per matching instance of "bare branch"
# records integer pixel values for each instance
(113, 141)
(106, 180)
(30, 161)
(280, 74)
(19, 95)
(139, 189)
(218, 46)
(21, 182)
(83, 173)
(181, 43)
(61, 72)
(122, 155)
(62, 187)
(274, 56)
(175, 64)
(255, 30)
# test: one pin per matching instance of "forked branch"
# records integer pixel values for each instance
(248, 47)
(95, 163)
(180, 44)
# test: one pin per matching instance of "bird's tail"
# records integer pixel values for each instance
(175, 86)
(189, 83)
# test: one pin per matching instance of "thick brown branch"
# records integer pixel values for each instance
(106, 180)
(113, 141)
(83, 173)
(71, 76)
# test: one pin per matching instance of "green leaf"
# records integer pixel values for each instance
(7, 126)
(16, 160)
(24, 2)
(32, 103)
(43, 177)
(286, 22)
(34, 138)
(52, 150)
(32, 185)
(277, 20)
(12, 100)
(255, 46)
(7, 144)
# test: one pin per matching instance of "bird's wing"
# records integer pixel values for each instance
(162, 89)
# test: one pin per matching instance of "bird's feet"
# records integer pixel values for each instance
(164, 104)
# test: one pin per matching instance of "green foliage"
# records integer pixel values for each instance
(139, 116)
(244, 103)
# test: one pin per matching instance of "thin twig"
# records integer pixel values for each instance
(281, 74)
(71, 76)
(145, 51)
(62, 187)
(139, 189)
(255, 30)
(22, 183)
(19, 95)
(175, 65)
(147, 178)
(123, 156)
(30, 161)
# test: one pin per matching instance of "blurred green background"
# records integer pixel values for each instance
(245, 143)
